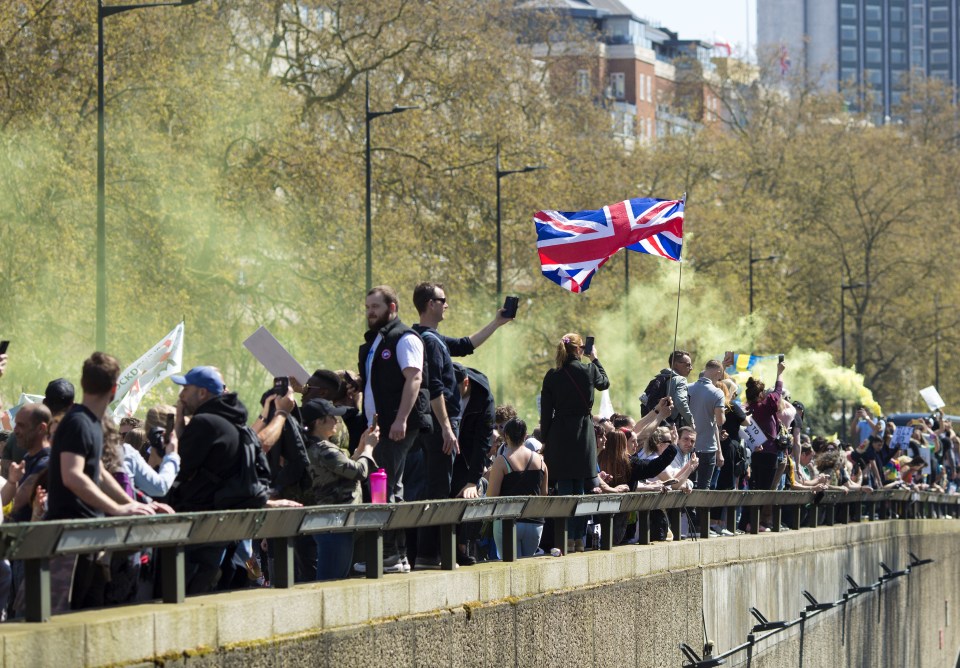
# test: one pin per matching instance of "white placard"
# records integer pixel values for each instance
(751, 436)
(901, 437)
(926, 455)
(271, 354)
(932, 397)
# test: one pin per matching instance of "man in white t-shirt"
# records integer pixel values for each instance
(391, 371)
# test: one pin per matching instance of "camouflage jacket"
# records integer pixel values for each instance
(336, 477)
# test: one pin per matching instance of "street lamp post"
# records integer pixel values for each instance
(843, 349)
(369, 116)
(102, 13)
(754, 260)
(500, 174)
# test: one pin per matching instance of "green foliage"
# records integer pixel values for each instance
(235, 196)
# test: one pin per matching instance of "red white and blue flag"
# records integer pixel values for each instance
(574, 244)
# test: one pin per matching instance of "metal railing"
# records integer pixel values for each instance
(765, 628)
(35, 543)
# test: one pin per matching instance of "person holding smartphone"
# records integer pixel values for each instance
(566, 425)
(441, 446)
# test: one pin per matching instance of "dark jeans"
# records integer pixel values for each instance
(576, 526)
(763, 469)
(439, 476)
(702, 479)
(392, 456)
(202, 567)
(704, 473)
(334, 555)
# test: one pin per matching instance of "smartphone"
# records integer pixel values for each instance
(171, 420)
(670, 481)
(588, 346)
(781, 359)
(510, 305)
(375, 417)
(3, 347)
(281, 385)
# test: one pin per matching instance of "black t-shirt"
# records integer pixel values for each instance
(79, 433)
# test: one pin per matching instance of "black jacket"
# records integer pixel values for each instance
(566, 400)
(210, 444)
(476, 429)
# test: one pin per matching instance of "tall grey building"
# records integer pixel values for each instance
(872, 44)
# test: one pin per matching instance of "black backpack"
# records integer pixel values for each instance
(249, 489)
(656, 390)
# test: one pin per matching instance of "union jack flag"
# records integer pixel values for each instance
(574, 244)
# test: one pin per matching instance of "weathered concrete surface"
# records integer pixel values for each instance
(628, 607)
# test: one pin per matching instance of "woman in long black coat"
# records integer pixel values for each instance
(566, 425)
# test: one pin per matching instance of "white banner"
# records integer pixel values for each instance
(606, 405)
(901, 437)
(932, 397)
(272, 355)
(751, 436)
(162, 360)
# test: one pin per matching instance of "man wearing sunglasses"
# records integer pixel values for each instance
(441, 445)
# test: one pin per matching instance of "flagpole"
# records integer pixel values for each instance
(676, 326)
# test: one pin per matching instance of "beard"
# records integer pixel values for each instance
(378, 323)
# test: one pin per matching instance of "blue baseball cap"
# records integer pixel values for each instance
(206, 377)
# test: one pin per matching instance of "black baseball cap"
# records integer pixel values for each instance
(318, 408)
(59, 394)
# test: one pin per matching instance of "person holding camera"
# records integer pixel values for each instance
(566, 403)
(762, 406)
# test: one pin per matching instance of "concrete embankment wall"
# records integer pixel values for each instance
(628, 607)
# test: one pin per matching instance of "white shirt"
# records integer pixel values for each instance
(409, 356)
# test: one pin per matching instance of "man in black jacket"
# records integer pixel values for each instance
(477, 421)
(210, 453)
(391, 369)
(440, 445)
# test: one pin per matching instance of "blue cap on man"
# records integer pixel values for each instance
(206, 377)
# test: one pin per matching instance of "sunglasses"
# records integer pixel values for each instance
(442, 300)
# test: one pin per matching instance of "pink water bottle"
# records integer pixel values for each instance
(378, 486)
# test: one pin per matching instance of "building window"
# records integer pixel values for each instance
(848, 54)
(873, 13)
(874, 55)
(874, 34)
(848, 33)
(874, 77)
(943, 75)
(939, 35)
(916, 14)
(939, 56)
(618, 87)
(848, 10)
(895, 99)
(583, 82)
(939, 14)
(917, 58)
(848, 74)
(917, 35)
(898, 15)
(898, 56)
(898, 35)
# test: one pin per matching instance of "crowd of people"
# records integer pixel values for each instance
(411, 424)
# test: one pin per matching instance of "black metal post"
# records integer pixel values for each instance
(368, 239)
(101, 307)
(173, 580)
(843, 350)
(369, 116)
(101, 196)
(751, 261)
